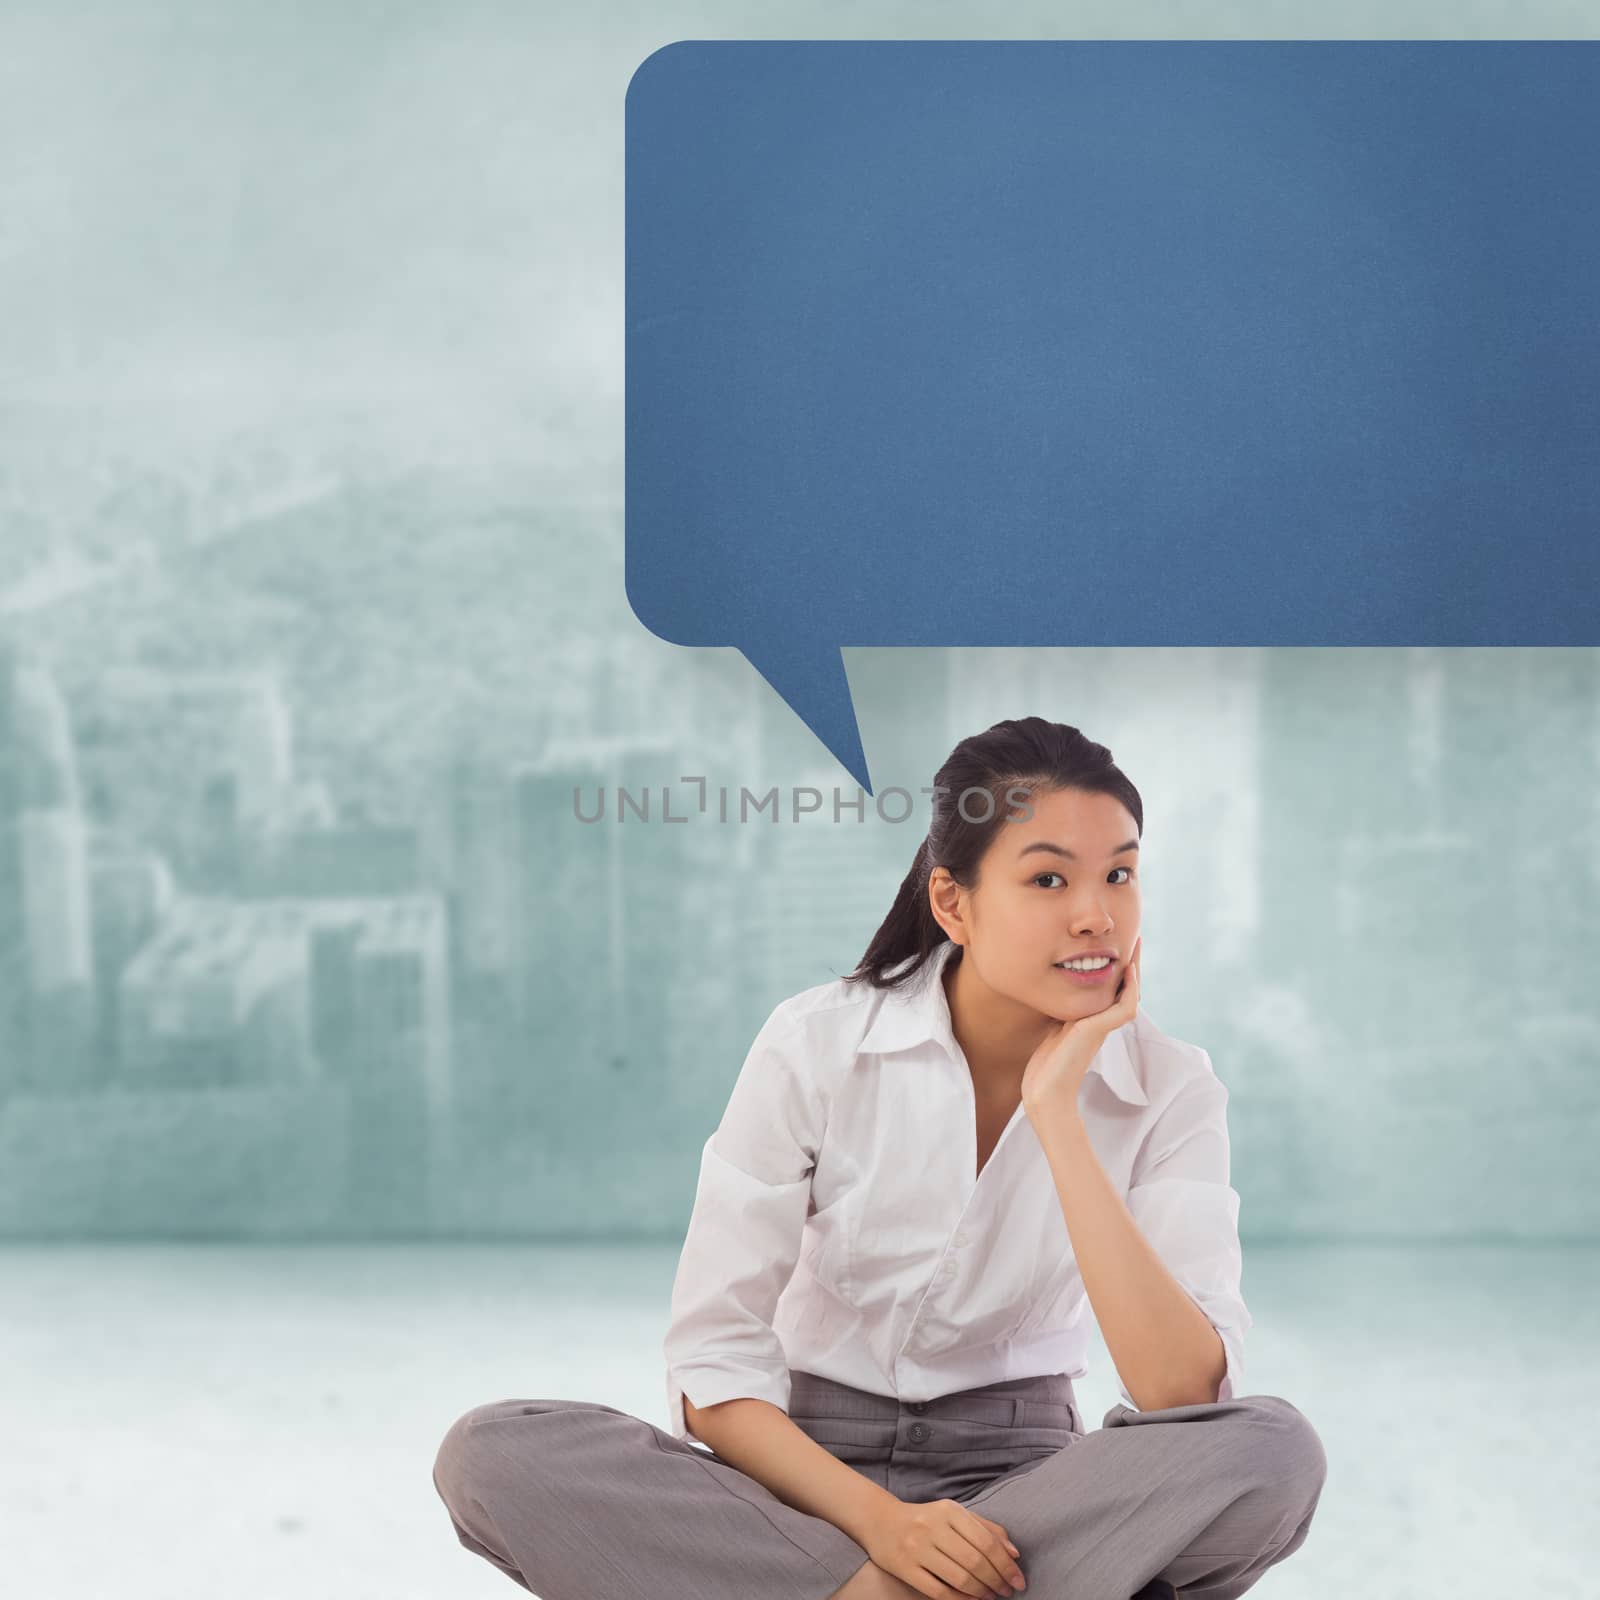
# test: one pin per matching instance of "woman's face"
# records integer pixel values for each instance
(1062, 882)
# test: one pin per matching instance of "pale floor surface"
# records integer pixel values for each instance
(186, 1422)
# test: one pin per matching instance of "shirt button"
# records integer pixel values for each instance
(919, 1432)
(960, 1239)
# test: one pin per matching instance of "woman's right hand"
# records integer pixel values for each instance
(942, 1550)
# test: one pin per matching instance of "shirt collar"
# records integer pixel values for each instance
(920, 1011)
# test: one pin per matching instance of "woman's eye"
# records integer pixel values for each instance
(1040, 877)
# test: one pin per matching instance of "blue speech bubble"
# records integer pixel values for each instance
(1110, 343)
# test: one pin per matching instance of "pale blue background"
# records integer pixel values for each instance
(342, 1090)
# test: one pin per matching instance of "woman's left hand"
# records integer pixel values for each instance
(1055, 1070)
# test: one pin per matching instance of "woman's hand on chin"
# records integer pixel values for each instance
(1055, 1070)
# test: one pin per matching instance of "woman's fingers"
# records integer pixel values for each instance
(989, 1543)
(979, 1554)
(936, 1588)
(1000, 1533)
(954, 1573)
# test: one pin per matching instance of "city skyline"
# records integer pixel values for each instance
(239, 1003)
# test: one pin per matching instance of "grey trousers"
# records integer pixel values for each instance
(580, 1501)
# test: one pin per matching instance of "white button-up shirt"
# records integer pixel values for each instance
(840, 1226)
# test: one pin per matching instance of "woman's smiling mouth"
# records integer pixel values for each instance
(1090, 973)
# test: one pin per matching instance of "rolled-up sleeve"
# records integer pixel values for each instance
(1182, 1198)
(745, 1230)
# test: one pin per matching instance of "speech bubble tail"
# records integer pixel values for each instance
(813, 684)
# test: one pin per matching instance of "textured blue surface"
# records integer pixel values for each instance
(1110, 343)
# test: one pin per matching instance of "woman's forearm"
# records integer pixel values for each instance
(1163, 1345)
(761, 1440)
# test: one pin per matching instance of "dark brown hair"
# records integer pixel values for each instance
(1009, 762)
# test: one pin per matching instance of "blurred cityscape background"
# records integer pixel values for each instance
(312, 622)
(367, 871)
(348, 1080)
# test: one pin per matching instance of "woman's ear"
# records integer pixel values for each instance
(944, 900)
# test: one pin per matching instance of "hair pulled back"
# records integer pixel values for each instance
(987, 778)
